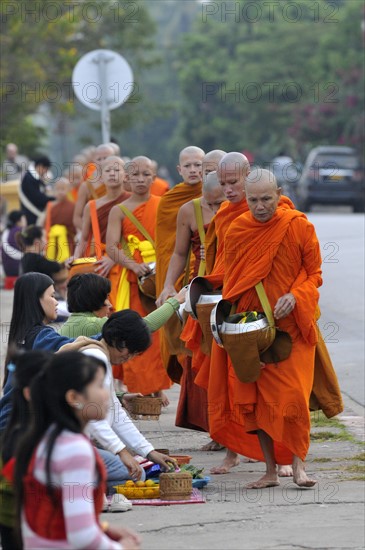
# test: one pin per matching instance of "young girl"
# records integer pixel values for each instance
(24, 367)
(59, 479)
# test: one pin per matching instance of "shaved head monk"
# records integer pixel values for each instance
(95, 221)
(290, 270)
(190, 169)
(233, 170)
(146, 373)
(93, 187)
(192, 410)
(211, 161)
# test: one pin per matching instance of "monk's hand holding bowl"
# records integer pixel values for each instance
(141, 269)
(103, 266)
(284, 306)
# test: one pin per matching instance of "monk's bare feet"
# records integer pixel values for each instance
(230, 461)
(285, 471)
(300, 477)
(163, 396)
(268, 480)
(247, 460)
(212, 446)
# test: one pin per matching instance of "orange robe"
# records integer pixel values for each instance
(102, 220)
(91, 172)
(73, 194)
(145, 373)
(159, 187)
(284, 253)
(165, 240)
(192, 408)
(214, 246)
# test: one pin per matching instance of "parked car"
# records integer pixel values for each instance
(331, 175)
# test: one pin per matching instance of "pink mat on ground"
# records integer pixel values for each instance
(196, 498)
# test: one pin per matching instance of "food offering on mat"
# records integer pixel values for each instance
(139, 489)
(196, 473)
(176, 486)
(181, 459)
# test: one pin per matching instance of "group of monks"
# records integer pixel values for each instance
(231, 225)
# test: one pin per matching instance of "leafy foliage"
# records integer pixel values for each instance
(42, 41)
(290, 80)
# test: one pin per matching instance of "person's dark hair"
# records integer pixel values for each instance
(66, 371)
(13, 218)
(26, 366)
(28, 236)
(42, 161)
(87, 292)
(27, 310)
(127, 329)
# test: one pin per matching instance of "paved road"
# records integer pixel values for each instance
(342, 296)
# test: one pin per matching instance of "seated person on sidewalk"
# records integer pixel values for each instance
(55, 456)
(124, 334)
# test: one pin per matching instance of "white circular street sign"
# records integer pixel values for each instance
(102, 78)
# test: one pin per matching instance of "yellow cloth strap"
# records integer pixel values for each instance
(137, 223)
(146, 249)
(123, 298)
(265, 303)
(57, 246)
(148, 255)
(200, 224)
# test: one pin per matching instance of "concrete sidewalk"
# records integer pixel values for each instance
(329, 516)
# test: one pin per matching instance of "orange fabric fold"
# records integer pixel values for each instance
(145, 373)
(165, 239)
(99, 225)
(277, 253)
(159, 187)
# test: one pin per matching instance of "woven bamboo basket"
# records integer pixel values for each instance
(176, 486)
(145, 408)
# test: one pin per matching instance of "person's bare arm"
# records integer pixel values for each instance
(113, 248)
(179, 256)
(82, 200)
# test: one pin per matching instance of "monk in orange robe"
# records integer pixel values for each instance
(190, 168)
(269, 419)
(192, 407)
(60, 213)
(144, 374)
(233, 169)
(95, 221)
(93, 187)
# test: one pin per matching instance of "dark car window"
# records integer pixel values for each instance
(348, 162)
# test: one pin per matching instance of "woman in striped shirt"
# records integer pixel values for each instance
(59, 479)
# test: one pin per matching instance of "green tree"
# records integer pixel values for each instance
(250, 79)
(41, 43)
